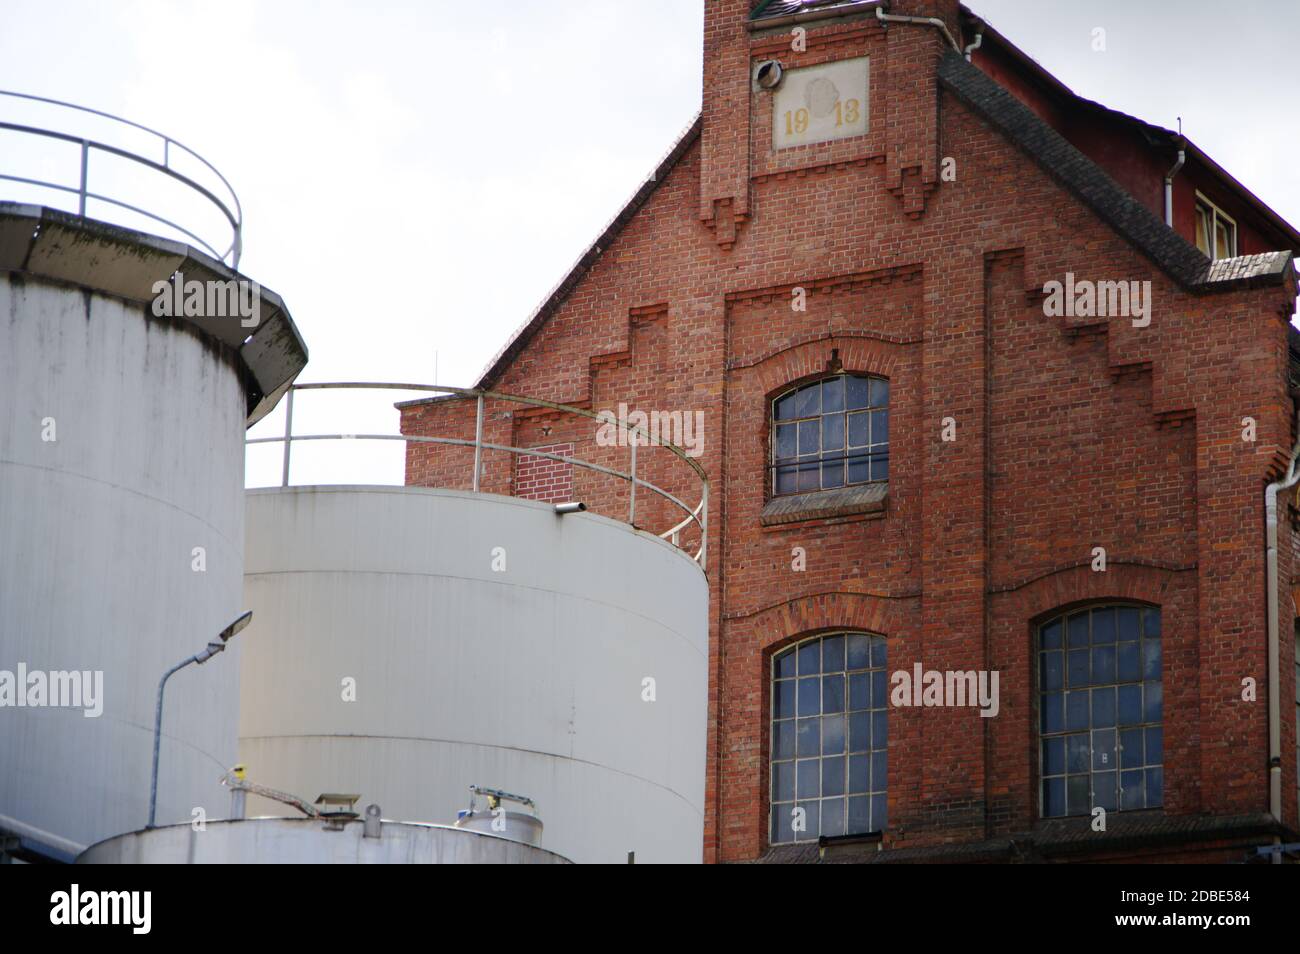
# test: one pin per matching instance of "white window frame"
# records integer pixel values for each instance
(1216, 213)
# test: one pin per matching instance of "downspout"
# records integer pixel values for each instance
(979, 41)
(1169, 184)
(1274, 676)
(884, 17)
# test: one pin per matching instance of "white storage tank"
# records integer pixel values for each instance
(122, 516)
(410, 642)
(311, 841)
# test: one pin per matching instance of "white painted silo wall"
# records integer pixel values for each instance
(97, 530)
(305, 841)
(529, 680)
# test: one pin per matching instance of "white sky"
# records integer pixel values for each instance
(416, 176)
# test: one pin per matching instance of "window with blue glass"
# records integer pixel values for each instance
(1100, 711)
(830, 722)
(831, 433)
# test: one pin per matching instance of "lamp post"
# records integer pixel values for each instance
(215, 646)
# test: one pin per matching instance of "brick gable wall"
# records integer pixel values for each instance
(1071, 434)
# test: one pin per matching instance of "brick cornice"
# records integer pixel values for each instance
(851, 282)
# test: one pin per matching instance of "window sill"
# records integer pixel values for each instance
(818, 505)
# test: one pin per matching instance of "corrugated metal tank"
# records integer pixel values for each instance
(309, 841)
(528, 678)
(100, 525)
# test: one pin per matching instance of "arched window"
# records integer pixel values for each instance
(1100, 711)
(829, 727)
(831, 433)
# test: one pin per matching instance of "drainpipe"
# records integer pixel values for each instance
(884, 17)
(1169, 185)
(1274, 676)
(979, 40)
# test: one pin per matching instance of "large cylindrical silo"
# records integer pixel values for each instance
(309, 841)
(122, 520)
(410, 642)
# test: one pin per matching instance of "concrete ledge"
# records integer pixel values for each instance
(61, 247)
(1057, 840)
(841, 502)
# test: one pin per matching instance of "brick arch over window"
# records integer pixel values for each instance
(778, 625)
(809, 360)
(1077, 584)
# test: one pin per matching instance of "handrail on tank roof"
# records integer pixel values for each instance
(698, 515)
(231, 210)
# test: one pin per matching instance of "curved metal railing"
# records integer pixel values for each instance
(229, 207)
(697, 515)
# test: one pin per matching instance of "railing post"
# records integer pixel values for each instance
(631, 507)
(85, 163)
(478, 443)
(288, 436)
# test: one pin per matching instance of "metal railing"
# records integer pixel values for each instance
(697, 515)
(230, 209)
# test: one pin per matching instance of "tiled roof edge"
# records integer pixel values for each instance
(1249, 271)
(1172, 253)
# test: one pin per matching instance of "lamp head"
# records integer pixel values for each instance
(236, 627)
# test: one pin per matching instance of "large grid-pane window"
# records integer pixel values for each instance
(830, 722)
(831, 433)
(1100, 711)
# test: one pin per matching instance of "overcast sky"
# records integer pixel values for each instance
(416, 176)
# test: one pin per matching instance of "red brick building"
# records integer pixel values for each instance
(919, 458)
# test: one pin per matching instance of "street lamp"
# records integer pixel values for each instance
(217, 645)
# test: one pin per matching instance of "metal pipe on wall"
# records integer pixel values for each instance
(1274, 675)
